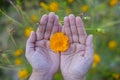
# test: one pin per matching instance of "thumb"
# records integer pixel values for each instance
(89, 46)
(89, 41)
(31, 42)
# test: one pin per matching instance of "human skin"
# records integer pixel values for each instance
(44, 61)
(77, 60)
(74, 63)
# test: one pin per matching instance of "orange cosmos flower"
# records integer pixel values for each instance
(28, 31)
(70, 1)
(18, 61)
(112, 3)
(97, 60)
(54, 6)
(112, 44)
(22, 74)
(68, 11)
(85, 8)
(33, 18)
(18, 52)
(59, 42)
(44, 5)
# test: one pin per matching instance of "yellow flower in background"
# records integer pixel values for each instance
(54, 6)
(44, 6)
(116, 76)
(113, 2)
(112, 44)
(70, 1)
(22, 74)
(18, 52)
(28, 31)
(97, 60)
(84, 8)
(33, 18)
(59, 42)
(18, 61)
(68, 11)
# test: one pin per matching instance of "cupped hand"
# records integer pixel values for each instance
(38, 53)
(77, 60)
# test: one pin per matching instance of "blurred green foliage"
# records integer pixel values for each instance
(101, 18)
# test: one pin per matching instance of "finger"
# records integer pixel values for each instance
(42, 44)
(81, 31)
(55, 26)
(41, 28)
(67, 28)
(89, 40)
(73, 28)
(49, 26)
(63, 29)
(60, 27)
(30, 43)
(89, 46)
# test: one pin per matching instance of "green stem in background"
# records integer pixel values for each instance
(10, 32)
(24, 17)
(14, 7)
(91, 29)
(13, 40)
(20, 12)
(19, 24)
(62, 22)
(7, 51)
(9, 67)
(110, 24)
(5, 59)
(8, 61)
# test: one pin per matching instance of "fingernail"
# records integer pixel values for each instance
(51, 13)
(71, 15)
(77, 17)
(32, 32)
(91, 35)
(65, 17)
(57, 16)
(44, 15)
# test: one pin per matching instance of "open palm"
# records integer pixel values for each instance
(77, 60)
(38, 53)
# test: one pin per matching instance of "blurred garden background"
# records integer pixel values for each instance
(19, 17)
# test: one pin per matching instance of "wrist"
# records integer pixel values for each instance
(74, 77)
(40, 75)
